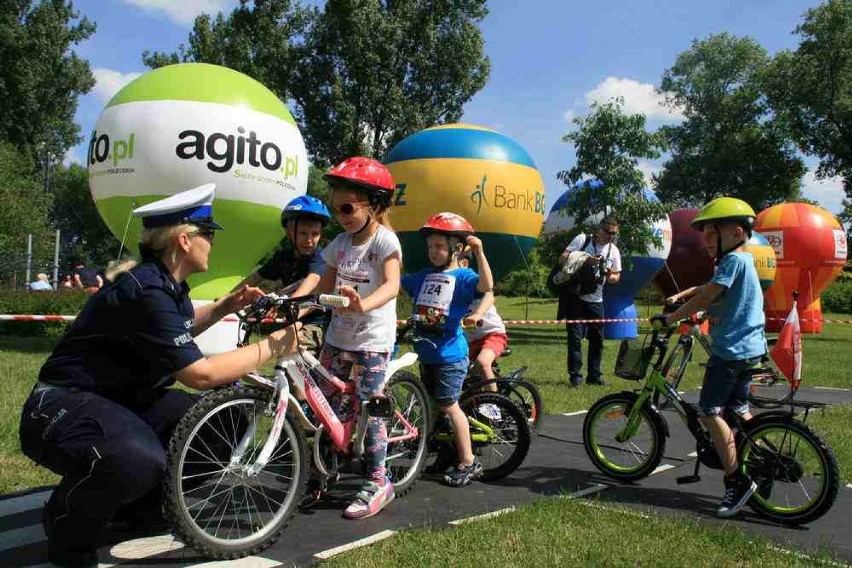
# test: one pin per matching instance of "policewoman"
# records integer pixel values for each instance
(102, 412)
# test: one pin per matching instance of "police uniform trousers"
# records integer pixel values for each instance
(108, 455)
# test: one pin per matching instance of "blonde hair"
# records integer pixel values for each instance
(159, 242)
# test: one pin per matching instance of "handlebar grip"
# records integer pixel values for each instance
(333, 301)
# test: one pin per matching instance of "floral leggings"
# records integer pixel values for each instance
(370, 372)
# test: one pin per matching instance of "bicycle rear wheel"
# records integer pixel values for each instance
(214, 503)
(499, 433)
(630, 459)
(405, 459)
(795, 470)
(526, 396)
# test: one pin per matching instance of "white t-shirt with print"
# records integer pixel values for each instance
(362, 268)
(609, 252)
(491, 322)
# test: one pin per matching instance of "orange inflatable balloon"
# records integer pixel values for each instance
(810, 251)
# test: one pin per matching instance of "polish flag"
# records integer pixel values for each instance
(787, 351)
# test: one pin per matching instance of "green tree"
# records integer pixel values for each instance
(609, 144)
(24, 206)
(811, 90)
(84, 235)
(728, 144)
(374, 72)
(40, 76)
(257, 39)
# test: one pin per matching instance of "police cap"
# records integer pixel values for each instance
(194, 206)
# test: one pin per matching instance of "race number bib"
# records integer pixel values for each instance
(433, 301)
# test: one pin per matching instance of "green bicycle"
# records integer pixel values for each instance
(624, 435)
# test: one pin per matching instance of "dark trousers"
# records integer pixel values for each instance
(579, 309)
(108, 456)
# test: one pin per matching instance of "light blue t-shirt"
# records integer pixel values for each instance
(736, 314)
(441, 300)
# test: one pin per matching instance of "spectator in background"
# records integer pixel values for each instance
(67, 282)
(40, 284)
(87, 278)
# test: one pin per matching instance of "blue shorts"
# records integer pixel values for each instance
(444, 382)
(725, 385)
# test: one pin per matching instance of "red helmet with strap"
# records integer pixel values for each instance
(449, 224)
(367, 174)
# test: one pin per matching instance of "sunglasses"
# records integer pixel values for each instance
(209, 236)
(347, 208)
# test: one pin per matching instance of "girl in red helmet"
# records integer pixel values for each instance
(363, 263)
(442, 295)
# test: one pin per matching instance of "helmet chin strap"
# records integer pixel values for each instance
(364, 226)
(720, 253)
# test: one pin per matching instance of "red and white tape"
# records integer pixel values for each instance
(16, 317)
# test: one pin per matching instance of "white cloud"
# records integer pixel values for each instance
(827, 192)
(109, 82)
(641, 98)
(181, 12)
(71, 157)
(638, 97)
(648, 169)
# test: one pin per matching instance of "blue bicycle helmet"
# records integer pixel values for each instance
(305, 207)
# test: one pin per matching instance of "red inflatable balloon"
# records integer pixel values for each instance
(810, 251)
(688, 262)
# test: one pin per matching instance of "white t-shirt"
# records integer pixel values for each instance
(362, 267)
(491, 322)
(608, 252)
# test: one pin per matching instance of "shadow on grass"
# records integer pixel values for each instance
(27, 344)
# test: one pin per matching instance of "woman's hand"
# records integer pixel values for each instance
(471, 320)
(242, 297)
(354, 300)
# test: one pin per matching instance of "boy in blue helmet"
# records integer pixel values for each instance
(298, 264)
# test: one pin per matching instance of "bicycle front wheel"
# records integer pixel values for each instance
(795, 470)
(499, 433)
(406, 458)
(215, 503)
(629, 459)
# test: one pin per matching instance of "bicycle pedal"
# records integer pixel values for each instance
(688, 479)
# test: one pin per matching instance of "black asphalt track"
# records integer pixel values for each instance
(556, 465)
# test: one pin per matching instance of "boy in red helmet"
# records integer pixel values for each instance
(441, 296)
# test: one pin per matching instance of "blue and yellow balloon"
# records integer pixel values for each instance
(482, 175)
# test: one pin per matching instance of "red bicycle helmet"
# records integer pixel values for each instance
(449, 224)
(365, 173)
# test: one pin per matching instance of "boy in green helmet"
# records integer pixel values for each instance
(734, 303)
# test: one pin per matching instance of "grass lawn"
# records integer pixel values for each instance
(566, 531)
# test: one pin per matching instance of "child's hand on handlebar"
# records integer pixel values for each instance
(354, 300)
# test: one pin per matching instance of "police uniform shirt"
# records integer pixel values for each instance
(129, 339)
(289, 267)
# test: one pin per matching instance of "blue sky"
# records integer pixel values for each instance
(547, 63)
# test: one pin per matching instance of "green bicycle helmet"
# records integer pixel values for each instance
(725, 209)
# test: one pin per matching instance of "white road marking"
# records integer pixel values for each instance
(247, 562)
(596, 488)
(849, 486)
(577, 413)
(326, 554)
(832, 388)
(139, 548)
(482, 517)
(29, 502)
(21, 537)
(692, 455)
(663, 467)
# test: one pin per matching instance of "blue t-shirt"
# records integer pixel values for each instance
(441, 300)
(736, 314)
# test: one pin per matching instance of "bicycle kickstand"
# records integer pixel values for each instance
(694, 478)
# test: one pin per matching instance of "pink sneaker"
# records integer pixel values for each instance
(370, 500)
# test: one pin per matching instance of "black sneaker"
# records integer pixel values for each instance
(738, 490)
(575, 383)
(64, 554)
(461, 476)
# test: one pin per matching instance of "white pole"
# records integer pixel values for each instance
(29, 259)
(56, 263)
